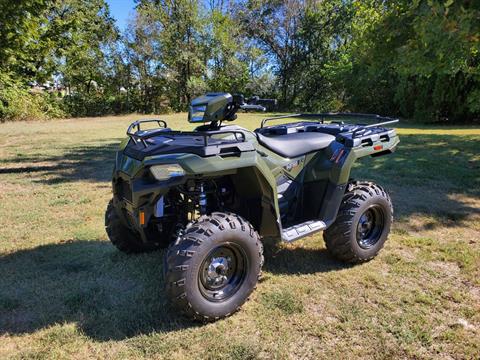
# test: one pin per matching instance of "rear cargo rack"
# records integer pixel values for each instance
(320, 118)
(364, 127)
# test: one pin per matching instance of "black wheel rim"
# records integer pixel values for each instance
(223, 272)
(370, 226)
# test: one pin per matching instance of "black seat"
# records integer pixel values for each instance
(295, 144)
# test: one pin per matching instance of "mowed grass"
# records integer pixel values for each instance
(65, 292)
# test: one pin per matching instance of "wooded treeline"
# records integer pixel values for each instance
(417, 59)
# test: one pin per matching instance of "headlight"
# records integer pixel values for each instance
(164, 172)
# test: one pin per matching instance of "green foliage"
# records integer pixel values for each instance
(22, 27)
(17, 103)
(324, 30)
(417, 59)
(82, 31)
(228, 71)
(89, 105)
(179, 45)
(275, 26)
(43, 39)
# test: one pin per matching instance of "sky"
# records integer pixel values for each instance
(120, 10)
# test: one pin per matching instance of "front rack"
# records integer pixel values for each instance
(205, 134)
(381, 120)
(136, 124)
(141, 137)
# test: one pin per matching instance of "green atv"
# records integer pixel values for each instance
(213, 194)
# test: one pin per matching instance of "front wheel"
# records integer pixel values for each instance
(213, 266)
(362, 224)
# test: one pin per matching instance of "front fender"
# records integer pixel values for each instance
(249, 167)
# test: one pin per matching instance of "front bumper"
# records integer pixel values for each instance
(136, 193)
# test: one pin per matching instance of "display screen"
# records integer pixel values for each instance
(197, 113)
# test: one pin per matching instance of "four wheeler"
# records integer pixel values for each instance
(211, 195)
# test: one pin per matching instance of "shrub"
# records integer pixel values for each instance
(17, 103)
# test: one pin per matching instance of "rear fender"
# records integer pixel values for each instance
(335, 164)
(342, 157)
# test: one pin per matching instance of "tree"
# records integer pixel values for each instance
(417, 59)
(81, 31)
(305, 40)
(22, 24)
(225, 50)
(322, 37)
(143, 54)
(181, 53)
(275, 25)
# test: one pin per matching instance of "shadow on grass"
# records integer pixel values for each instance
(300, 261)
(80, 163)
(109, 295)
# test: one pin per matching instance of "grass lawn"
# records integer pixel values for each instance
(65, 292)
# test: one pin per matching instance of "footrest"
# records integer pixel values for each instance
(301, 230)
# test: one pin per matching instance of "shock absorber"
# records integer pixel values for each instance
(202, 200)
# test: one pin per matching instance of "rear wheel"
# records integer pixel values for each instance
(213, 266)
(121, 236)
(362, 224)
